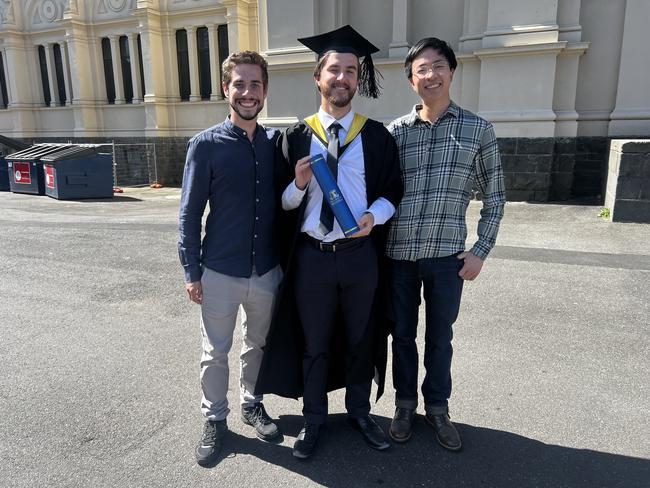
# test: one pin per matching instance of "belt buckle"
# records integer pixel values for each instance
(323, 246)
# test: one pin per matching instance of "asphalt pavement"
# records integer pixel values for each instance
(99, 360)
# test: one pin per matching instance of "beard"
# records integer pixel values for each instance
(338, 100)
(251, 113)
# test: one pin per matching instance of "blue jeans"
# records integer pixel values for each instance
(442, 293)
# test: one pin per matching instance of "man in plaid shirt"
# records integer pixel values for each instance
(444, 151)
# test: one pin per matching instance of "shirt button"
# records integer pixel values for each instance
(257, 181)
(257, 199)
(245, 133)
(253, 253)
(255, 236)
(257, 218)
(257, 163)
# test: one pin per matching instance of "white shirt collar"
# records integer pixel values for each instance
(326, 120)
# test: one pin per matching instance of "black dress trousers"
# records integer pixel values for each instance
(326, 281)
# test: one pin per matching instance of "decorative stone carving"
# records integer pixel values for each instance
(111, 7)
(6, 12)
(48, 11)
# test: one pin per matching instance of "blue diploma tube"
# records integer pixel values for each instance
(333, 194)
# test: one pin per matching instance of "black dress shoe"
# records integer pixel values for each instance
(447, 435)
(370, 431)
(306, 441)
(207, 452)
(401, 425)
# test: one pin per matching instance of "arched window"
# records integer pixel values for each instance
(125, 59)
(3, 83)
(58, 68)
(45, 79)
(203, 48)
(183, 64)
(108, 69)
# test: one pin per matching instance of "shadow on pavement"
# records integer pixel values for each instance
(116, 198)
(490, 458)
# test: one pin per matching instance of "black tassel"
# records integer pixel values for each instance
(369, 85)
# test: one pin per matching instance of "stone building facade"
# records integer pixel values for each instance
(557, 78)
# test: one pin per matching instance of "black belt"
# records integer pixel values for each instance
(334, 246)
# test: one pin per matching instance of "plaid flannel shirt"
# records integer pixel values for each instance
(440, 163)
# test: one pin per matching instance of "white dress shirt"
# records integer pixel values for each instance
(351, 180)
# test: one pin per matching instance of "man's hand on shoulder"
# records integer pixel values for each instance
(472, 266)
(195, 291)
(366, 223)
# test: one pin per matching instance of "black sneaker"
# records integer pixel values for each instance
(208, 449)
(401, 425)
(256, 416)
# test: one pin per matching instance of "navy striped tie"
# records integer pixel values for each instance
(326, 215)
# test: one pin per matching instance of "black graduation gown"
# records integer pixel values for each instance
(281, 368)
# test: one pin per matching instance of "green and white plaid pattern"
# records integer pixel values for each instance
(440, 163)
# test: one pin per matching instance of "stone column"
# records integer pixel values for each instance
(135, 68)
(51, 75)
(87, 86)
(215, 73)
(240, 21)
(522, 40)
(195, 94)
(117, 70)
(631, 115)
(66, 72)
(399, 46)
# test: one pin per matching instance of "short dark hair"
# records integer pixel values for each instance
(429, 43)
(244, 57)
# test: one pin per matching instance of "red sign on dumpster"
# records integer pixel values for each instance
(49, 176)
(22, 174)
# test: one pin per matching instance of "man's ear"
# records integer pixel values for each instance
(224, 87)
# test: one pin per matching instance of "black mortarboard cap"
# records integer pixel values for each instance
(347, 40)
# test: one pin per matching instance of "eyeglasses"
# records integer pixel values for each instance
(437, 68)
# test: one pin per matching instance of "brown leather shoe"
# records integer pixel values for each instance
(401, 425)
(446, 433)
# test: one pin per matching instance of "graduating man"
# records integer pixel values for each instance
(331, 279)
(443, 150)
(232, 166)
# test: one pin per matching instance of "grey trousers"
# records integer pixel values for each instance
(222, 297)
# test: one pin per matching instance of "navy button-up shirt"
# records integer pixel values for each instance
(223, 167)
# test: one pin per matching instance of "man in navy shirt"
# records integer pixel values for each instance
(231, 166)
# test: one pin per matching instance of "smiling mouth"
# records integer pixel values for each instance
(247, 103)
(433, 85)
